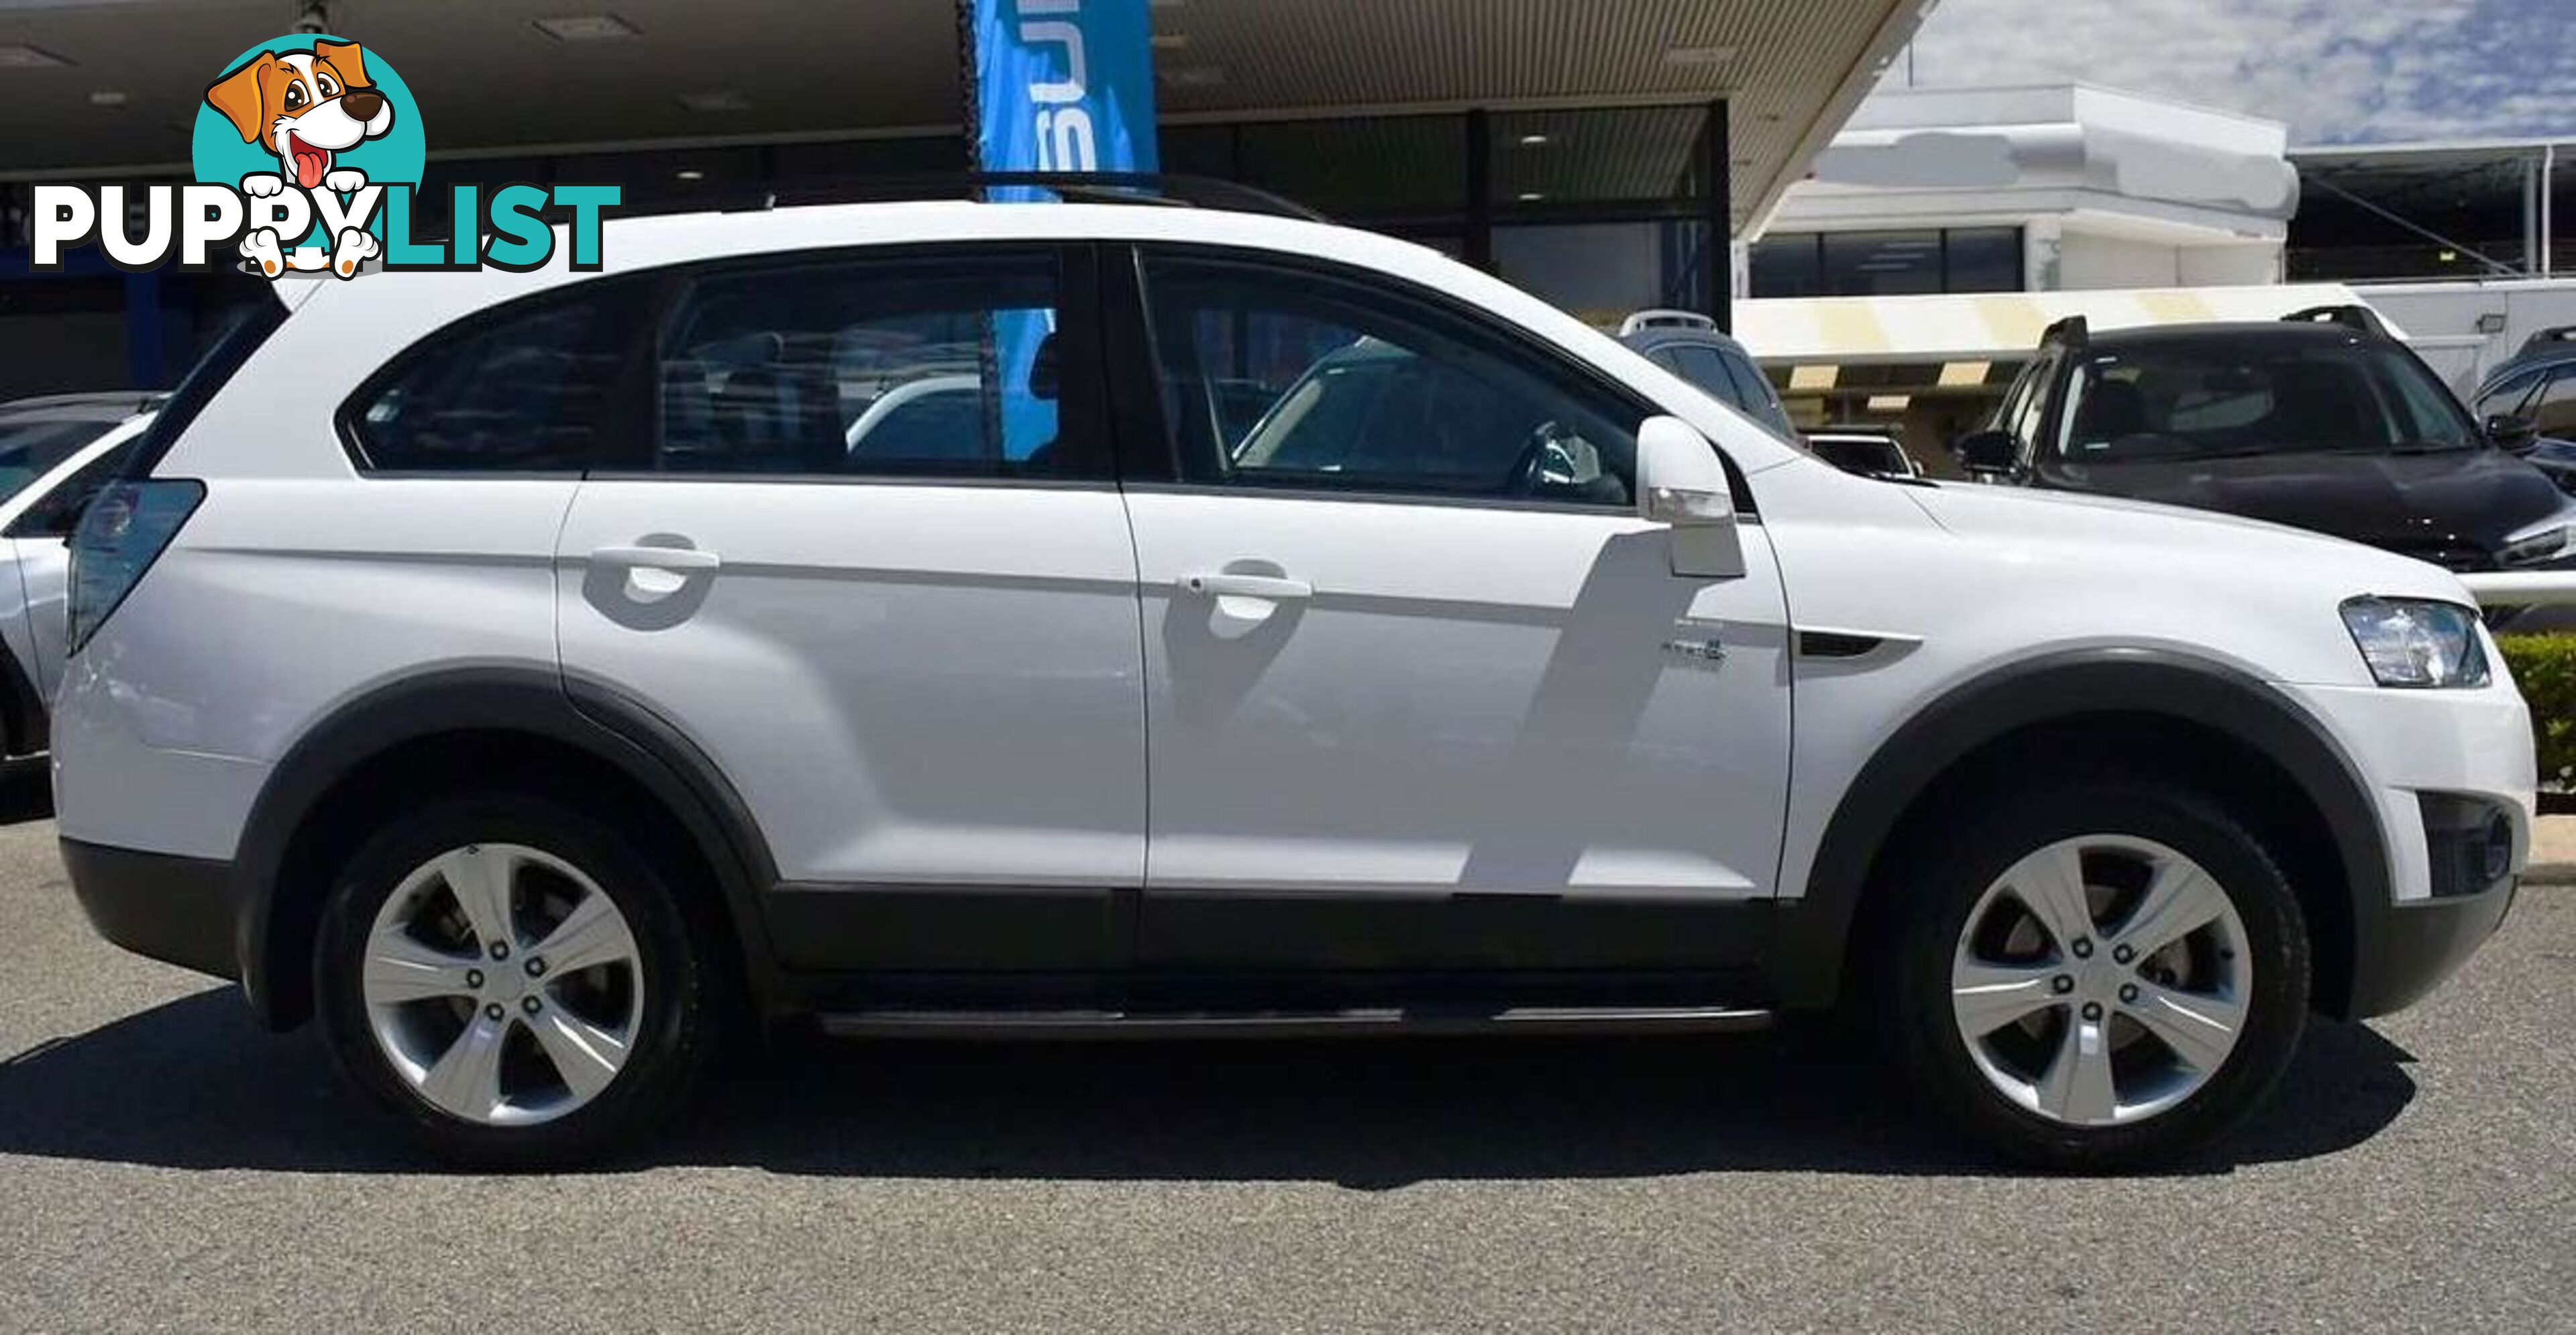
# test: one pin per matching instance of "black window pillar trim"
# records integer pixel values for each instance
(1719, 189)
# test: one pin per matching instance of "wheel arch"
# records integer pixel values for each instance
(2086, 711)
(409, 737)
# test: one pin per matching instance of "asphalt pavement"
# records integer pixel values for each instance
(165, 1164)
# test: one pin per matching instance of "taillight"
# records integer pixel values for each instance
(121, 534)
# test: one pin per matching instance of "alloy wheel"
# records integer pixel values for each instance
(502, 984)
(2101, 980)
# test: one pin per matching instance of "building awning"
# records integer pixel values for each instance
(1999, 325)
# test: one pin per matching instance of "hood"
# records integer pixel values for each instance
(2438, 501)
(2054, 527)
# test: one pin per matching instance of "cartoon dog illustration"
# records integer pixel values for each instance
(307, 107)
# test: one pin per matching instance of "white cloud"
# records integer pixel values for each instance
(2335, 70)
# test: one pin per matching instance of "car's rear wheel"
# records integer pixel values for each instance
(512, 982)
(2100, 976)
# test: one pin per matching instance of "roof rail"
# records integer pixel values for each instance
(1151, 189)
(2565, 333)
(1665, 319)
(2071, 331)
(2357, 317)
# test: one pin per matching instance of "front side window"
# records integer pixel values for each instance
(2512, 398)
(1293, 379)
(527, 388)
(2553, 409)
(872, 367)
(2212, 400)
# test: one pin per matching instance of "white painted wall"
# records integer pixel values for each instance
(2441, 320)
(2229, 266)
(2087, 261)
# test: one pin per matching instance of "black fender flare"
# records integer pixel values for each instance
(2037, 691)
(597, 720)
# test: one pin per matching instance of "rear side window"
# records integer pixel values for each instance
(877, 366)
(1760, 401)
(528, 388)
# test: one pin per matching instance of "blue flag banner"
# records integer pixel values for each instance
(1060, 86)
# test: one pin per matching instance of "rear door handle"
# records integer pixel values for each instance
(1270, 587)
(675, 559)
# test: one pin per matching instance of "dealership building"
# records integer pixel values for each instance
(1608, 154)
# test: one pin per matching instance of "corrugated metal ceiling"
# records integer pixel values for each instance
(486, 79)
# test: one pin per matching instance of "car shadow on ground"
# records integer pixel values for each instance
(26, 791)
(195, 1084)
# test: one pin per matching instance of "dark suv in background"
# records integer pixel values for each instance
(1689, 345)
(2321, 420)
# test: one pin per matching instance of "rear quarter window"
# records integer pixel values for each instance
(528, 387)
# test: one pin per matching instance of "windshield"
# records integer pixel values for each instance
(2256, 396)
(29, 450)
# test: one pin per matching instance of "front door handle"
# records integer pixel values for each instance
(1272, 588)
(678, 560)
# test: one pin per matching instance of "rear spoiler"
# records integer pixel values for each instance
(2356, 317)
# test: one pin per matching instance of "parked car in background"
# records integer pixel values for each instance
(54, 455)
(2528, 404)
(2320, 420)
(2536, 384)
(1689, 345)
(530, 741)
(1869, 451)
(38, 433)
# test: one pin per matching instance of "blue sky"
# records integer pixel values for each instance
(2338, 71)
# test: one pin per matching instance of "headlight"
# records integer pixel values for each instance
(2411, 642)
(2535, 545)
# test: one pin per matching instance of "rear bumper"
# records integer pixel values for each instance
(178, 910)
(2405, 950)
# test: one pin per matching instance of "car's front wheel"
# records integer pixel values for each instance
(512, 981)
(2099, 976)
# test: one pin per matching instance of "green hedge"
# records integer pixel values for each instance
(2544, 666)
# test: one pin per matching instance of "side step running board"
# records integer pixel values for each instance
(1289, 1024)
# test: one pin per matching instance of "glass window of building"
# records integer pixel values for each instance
(1602, 272)
(1868, 264)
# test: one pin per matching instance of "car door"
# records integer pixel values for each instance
(913, 653)
(1422, 691)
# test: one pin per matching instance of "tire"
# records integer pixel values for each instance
(559, 1092)
(2151, 1075)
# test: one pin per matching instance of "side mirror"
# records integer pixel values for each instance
(2513, 433)
(1987, 453)
(1681, 484)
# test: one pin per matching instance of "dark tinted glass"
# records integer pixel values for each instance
(1295, 379)
(29, 449)
(1879, 263)
(1700, 365)
(1985, 259)
(527, 389)
(868, 366)
(57, 512)
(2193, 400)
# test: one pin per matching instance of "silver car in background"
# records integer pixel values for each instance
(55, 453)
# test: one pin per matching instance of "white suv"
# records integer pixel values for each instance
(524, 675)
